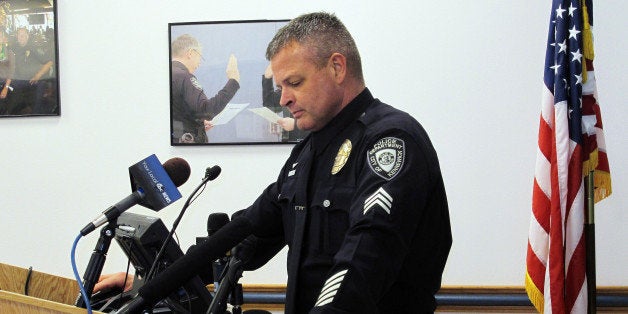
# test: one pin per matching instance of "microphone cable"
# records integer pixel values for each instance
(77, 276)
(211, 173)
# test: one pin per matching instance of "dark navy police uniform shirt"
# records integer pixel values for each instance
(362, 206)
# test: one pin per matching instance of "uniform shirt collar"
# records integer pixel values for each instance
(355, 108)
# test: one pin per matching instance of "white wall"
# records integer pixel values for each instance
(470, 71)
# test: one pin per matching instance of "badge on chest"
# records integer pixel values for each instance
(342, 156)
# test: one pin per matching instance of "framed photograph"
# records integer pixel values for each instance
(221, 86)
(29, 73)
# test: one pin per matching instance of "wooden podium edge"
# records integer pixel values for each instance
(40, 285)
(11, 302)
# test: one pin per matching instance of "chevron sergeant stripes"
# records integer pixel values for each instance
(381, 198)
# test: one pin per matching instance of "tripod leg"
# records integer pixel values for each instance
(96, 262)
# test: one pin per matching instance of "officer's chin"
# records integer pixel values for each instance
(306, 124)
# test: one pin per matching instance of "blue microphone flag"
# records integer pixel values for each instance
(149, 177)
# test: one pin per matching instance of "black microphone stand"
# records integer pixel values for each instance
(237, 299)
(96, 262)
(229, 286)
(210, 174)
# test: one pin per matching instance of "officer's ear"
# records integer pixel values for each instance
(338, 67)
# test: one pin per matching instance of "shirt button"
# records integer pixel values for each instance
(326, 203)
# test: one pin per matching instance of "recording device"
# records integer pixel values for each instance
(154, 186)
(141, 237)
(186, 267)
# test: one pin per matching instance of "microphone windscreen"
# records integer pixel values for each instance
(178, 170)
(212, 173)
(216, 221)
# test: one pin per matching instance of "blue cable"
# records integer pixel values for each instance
(78, 277)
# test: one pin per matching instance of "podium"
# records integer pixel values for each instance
(45, 293)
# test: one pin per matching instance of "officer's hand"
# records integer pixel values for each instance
(232, 68)
(116, 280)
(286, 123)
(208, 125)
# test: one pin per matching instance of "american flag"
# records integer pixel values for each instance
(556, 256)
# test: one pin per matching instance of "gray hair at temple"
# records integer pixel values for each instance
(183, 44)
(325, 34)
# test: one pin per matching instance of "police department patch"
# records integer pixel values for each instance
(386, 157)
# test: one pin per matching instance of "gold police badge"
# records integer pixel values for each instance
(342, 157)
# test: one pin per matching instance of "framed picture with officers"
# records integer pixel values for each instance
(221, 85)
(29, 83)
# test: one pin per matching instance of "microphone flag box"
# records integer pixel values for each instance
(149, 177)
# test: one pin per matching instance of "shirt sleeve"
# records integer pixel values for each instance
(208, 108)
(267, 238)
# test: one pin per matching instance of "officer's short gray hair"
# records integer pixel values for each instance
(324, 34)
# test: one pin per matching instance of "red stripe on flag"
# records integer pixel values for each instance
(540, 206)
(575, 274)
(574, 180)
(545, 139)
(536, 269)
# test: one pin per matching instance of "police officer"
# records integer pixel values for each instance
(33, 65)
(360, 202)
(192, 111)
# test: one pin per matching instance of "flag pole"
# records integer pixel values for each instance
(589, 230)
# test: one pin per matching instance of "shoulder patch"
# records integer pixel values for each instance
(386, 157)
(195, 83)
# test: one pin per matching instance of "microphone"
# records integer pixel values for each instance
(216, 221)
(212, 173)
(186, 267)
(154, 186)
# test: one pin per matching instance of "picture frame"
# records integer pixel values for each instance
(202, 91)
(29, 64)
